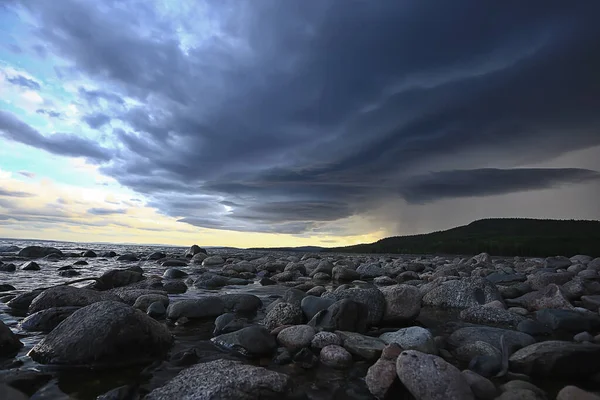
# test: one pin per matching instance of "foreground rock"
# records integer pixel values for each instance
(381, 375)
(428, 377)
(362, 346)
(335, 357)
(9, 342)
(559, 359)
(104, 334)
(224, 380)
(205, 307)
(68, 296)
(413, 338)
(372, 298)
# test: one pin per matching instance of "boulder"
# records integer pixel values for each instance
(568, 320)
(322, 339)
(575, 393)
(462, 293)
(128, 257)
(557, 359)
(130, 295)
(5, 287)
(30, 266)
(342, 273)
(296, 337)
(428, 377)
(372, 298)
(241, 303)
(175, 287)
(412, 338)
(382, 375)
(118, 278)
(204, 307)
(9, 249)
(68, 296)
(156, 310)
(9, 342)
(283, 314)
(550, 297)
(229, 322)
(335, 356)
(223, 380)
(540, 280)
(104, 334)
(208, 280)
(144, 301)
(481, 387)
(471, 334)
(46, 320)
(213, 261)
(491, 316)
(8, 267)
(38, 252)
(193, 250)
(311, 305)
(362, 346)
(557, 262)
(109, 254)
(199, 258)
(346, 315)
(157, 255)
(252, 341)
(370, 271)
(23, 300)
(89, 254)
(402, 303)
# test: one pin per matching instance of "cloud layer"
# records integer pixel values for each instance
(298, 117)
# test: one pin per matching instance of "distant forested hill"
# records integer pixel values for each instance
(499, 237)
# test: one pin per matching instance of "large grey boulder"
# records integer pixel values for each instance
(362, 346)
(550, 297)
(46, 320)
(241, 302)
(68, 296)
(311, 305)
(569, 320)
(412, 338)
(512, 339)
(251, 341)
(345, 315)
(540, 280)
(370, 271)
(193, 250)
(341, 273)
(557, 359)
(118, 278)
(130, 295)
(213, 261)
(372, 298)
(104, 334)
(9, 342)
(204, 307)
(38, 252)
(462, 293)
(23, 300)
(429, 377)
(223, 380)
(296, 337)
(283, 314)
(402, 303)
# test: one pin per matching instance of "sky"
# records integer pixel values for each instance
(280, 123)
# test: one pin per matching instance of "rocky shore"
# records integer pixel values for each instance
(249, 325)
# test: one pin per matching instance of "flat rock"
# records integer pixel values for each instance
(241, 302)
(575, 393)
(558, 359)
(104, 334)
(490, 335)
(38, 252)
(429, 377)
(223, 380)
(539, 281)
(568, 320)
(366, 347)
(213, 261)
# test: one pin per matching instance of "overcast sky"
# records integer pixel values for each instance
(270, 122)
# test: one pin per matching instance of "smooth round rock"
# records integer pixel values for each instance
(335, 356)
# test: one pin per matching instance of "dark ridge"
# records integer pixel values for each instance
(497, 236)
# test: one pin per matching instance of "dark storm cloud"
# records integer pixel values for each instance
(489, 181)
(13, 193)
(97, 120)
(59, 143)
(106, 211)
(27, 83)
(50, 113)
(302, 113)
